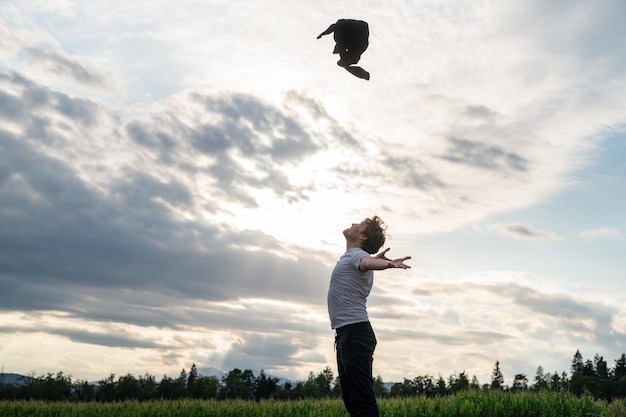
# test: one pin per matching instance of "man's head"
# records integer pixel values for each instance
(375, 234)
(369, 234)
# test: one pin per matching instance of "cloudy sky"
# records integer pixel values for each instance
(175, 177)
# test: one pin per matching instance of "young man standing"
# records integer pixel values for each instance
(350, 284)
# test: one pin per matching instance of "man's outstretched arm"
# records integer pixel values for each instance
(380, 262)
(328, 31)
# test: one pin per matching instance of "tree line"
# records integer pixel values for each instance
(587, 377)
(593, 377)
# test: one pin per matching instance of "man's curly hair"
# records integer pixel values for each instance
(375, 232)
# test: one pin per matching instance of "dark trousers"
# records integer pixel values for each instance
(355, 345)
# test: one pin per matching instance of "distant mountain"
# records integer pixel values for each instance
(13, 379)
(211, 371)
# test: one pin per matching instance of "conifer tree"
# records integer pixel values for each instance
(497, 379)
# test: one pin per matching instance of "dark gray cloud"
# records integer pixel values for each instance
(590, 318)
(62, 64)
(245, 143)
(483, 156)
(114, 250)
(480, 112)
(141, 189)
(521, 231)
(412, 172)
(120, 240)
(37, 108)
(566, 313)
(116, 338)
(271, 349)
(113, 339)
(242, 120)
(315, 109)
(560, 306)
(461, 338)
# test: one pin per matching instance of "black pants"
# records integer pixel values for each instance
(355, 345)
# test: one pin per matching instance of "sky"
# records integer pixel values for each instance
(175, 178)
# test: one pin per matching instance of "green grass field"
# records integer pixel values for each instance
(467, 404)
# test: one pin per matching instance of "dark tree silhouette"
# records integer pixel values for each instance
(592, 377)
(127, 388)
(497, 379)
(520, 382)
(106, 389)
(540, 382)
(238, 384)
(192, 380)
(264, 386)
(577, 363)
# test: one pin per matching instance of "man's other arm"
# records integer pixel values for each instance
(381, 262)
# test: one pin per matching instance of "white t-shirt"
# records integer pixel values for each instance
(348, 291)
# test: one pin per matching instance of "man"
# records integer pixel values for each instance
(352, 39)
(350, 284)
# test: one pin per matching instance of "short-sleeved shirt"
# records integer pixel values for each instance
(348, 291)
(352, 35)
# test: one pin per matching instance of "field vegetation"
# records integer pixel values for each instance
(464, 404)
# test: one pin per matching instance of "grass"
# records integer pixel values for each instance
(466, 404)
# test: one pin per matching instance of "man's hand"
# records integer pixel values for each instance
(399, 263)
(393, 263)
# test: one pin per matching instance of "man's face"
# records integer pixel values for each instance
(355, 232)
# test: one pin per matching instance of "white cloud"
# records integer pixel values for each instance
(466, 321)
(601, 233)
